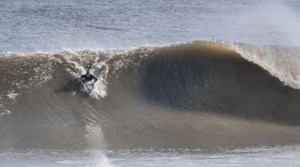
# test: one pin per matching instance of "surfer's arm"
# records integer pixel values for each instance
(82, 78)
(95, 79)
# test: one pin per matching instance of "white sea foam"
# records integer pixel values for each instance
(6, 112)
(12, 95)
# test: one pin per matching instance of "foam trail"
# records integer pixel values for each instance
(95, 139)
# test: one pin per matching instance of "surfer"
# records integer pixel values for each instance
(88, 77)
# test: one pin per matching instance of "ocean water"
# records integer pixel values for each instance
(261, 156)
(180, 83)
(32, 26)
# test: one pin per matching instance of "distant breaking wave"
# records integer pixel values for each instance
(203, 93)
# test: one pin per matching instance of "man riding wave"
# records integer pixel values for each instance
(88, 77)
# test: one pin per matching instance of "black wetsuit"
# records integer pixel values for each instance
(86, 78)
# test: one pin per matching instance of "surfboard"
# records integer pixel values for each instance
(87, 87)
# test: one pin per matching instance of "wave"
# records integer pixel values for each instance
(193, 94)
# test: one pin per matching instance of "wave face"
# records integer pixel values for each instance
(195, 94)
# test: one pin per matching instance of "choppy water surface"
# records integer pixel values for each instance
(260, 156)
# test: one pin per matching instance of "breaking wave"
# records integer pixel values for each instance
(201, 93)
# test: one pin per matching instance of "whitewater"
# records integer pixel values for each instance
(194, 83)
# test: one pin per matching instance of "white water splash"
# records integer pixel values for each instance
(103, 161)
(100, 89)
(12, 95)
(282, 63)
(95, 139)
(6, 112)
(267, 22)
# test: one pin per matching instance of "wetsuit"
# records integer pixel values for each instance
(88, 77)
